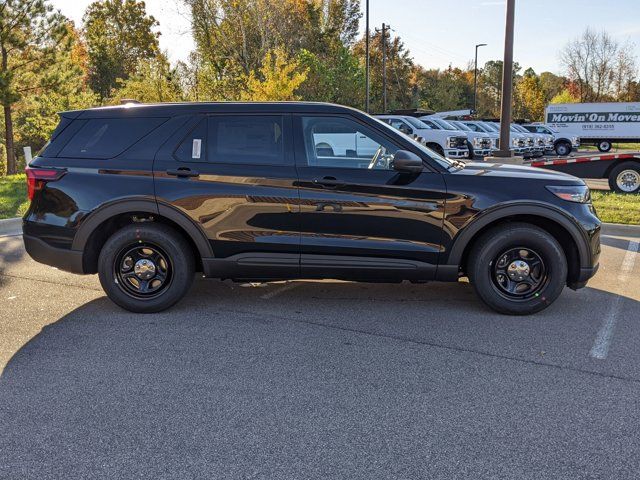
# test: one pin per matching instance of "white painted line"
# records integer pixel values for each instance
(278, 291)
(601, 345)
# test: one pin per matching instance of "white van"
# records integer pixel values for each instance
(599, 124)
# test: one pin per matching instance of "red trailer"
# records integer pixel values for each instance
(621, 169)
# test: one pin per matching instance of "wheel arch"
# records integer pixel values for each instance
(558, 224)
(104, 221)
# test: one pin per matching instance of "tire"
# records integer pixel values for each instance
(544, 256)
(604, 145)
(563, 148)
(625, 178)
(436, 148)
(134, 259)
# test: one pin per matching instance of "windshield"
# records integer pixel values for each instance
(444, 162)
(460, 125)
(521, 129)
(417, 123)
(491, 126)
(444, 124)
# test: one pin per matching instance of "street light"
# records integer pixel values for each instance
(475, 79)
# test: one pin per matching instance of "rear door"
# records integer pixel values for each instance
(234, 175)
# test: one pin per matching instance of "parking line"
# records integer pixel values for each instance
(600, 347)
(278, 291)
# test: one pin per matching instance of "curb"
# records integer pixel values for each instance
(621, 229)
(11, 226)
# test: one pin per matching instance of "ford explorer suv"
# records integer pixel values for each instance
(147, 195)
(446, 144)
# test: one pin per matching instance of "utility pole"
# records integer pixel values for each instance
(475, 79)
(366, 48)
(507, 83)
(384, 68)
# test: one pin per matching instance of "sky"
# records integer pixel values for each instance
(439, 33)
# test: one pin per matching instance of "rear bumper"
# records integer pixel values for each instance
(62, 258)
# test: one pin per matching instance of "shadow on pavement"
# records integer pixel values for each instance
(202, 391)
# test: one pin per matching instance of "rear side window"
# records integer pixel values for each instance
(246, 139)
(108, 137)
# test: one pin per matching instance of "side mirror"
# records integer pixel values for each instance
(407, 162)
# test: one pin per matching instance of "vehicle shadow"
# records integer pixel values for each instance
(236, 382)
(614, 242)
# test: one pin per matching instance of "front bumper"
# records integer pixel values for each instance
(456, 153)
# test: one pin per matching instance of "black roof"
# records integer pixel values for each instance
(173, 109)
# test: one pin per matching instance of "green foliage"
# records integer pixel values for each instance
(119, 34)
(278, 79)
(442, 90)
(565, 96)
(153, 81)
(31, 37)
(529, 97)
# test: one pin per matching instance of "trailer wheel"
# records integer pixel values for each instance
(563, 148)
(604, 146)
(625, 178)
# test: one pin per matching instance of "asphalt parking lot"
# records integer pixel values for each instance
(318, 380)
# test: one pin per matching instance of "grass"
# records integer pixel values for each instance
(616, 207)
(615, 146)
(13, 196)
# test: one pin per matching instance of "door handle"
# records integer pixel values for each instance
(182, 172)
(327, 182)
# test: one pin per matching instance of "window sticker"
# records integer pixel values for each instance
(197, 148)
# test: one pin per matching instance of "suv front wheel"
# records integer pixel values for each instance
(517, 269)
(146, 267)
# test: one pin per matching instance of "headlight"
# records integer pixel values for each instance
(514, 142)
(575, 140)
(576, 194)
(477, 142)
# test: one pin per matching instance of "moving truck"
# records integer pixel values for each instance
(599, 124)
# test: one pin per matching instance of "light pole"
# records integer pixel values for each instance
(366, 54)
(475, 79)
(507, 83)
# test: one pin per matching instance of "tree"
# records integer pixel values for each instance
(552, 84)
(400, 69)
(36, 114)
(153, 81)
(450, 89)
(529, 97)
(599, 65)
(119, 34)
(31, 34)
(278, 79)
(490, 87)
(565, 96)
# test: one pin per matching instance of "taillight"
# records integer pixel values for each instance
(37, 177)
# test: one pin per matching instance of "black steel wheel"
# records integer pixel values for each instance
(142, 270)
(146, 267)
(519, 273)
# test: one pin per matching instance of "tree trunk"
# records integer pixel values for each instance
(11, 154)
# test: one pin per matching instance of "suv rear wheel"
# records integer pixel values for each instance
(146, 267)
(517, 269)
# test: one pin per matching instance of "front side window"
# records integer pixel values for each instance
(343, 143)
(246, 139)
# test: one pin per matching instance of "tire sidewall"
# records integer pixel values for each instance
(175, 247)
(497, 241)
(613, 177)
(563, 145)
(604, 146)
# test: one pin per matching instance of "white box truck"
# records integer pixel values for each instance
(599, 124)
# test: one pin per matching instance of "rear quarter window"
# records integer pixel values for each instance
(103, 138)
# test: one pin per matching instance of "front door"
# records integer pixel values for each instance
(234, 175)
(358, 216)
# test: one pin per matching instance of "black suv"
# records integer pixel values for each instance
(146, 195)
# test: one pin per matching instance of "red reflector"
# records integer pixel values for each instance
(37, 177)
